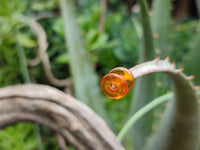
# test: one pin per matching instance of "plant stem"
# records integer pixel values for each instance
(26, 78)
(86, 82)
(147, 52)
(141, 113)
(161, 11)
(22, 59)
(145, 88)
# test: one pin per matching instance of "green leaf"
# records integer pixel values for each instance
(145, 87)
(62, 59)
(192, 60)
(42, 5)
(160, 25)
(26, 41)
(16, 137)
(85, 80)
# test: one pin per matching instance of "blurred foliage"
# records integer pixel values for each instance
(10, 139)
(8, 64)
(118, 45)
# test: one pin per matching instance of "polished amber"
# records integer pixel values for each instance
(126, 74)
(114, 86)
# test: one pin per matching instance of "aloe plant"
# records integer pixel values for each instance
(179, 127)
(144, 87)
(160, 24)
(85, 80)
(180, 124)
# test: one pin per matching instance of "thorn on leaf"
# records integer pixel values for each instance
(156, 35)
(159, 84)
(197, 88)
(146, 138)
(151, 13)
(158, 58)
(190, 77)
(180, 70)
(167, 58)
(154, 127)
(160, 115)
(173, 63)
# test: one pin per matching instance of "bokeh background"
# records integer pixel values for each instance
(39, 43)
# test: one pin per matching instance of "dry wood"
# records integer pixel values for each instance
(42, 54)
(45, 105)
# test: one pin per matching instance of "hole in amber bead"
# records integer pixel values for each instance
(114, 86)
(126, 74)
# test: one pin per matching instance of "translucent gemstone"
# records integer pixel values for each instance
(114, 86)
(126, 74)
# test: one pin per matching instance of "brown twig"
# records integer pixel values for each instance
(33, 62)
(43, 45)
(103, 16)
(61, 142)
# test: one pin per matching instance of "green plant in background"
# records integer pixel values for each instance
(123, 42)
(9, 17)
(10, 139)
(179, 126)
(85, 79)
(145, 87)
(20, 136)
(8, 64)
(9, 21)
(161, 11)
(192, 58)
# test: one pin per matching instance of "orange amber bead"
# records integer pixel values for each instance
(114, 86)
(126, 74)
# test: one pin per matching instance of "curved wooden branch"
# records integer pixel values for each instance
(42, 54)
(58, 111)
(34, 61)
